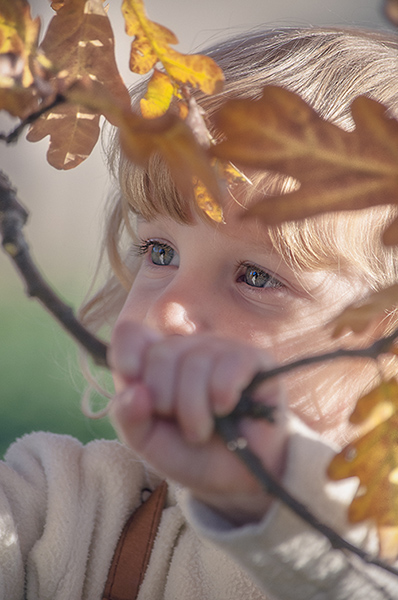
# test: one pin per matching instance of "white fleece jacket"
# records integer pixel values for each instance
(63, 506)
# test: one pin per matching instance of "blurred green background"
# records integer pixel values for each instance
(40, 381)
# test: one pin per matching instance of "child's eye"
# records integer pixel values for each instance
(256, 277)
(161, 254)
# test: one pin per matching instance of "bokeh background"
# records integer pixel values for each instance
(40, 381)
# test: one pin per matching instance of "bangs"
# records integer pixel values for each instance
(151, 192)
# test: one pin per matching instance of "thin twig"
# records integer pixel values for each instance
(13, 136)
(228, 429)
(380, 346)
(12, 219)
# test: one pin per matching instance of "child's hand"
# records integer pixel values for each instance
(169, 389)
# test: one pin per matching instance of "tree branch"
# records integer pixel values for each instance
(228, 429)
(13, 136)
(380, 346)
(12, 219)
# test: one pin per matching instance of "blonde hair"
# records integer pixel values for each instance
(328, 68)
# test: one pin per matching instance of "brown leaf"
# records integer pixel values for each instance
(170, 137)
(73, 132)
(373, 458)
(337, 169)
(80, 44)
(18, 102)
(140, 138)
(151, 45)
(391, 10)
(358, 318)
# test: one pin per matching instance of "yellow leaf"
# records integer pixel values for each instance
(336, 169)
(170, 137)
(19, 35)
(374, 309)
(152, 45)
(373, 459)
(158, 97)
(140, 138)
(206, 202)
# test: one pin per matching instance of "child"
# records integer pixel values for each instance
(199, 308)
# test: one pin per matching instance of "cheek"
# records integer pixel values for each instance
(135, 308)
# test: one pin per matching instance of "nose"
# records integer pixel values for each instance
(171, 318)
(179, 310)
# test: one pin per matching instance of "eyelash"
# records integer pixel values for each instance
(142, 248)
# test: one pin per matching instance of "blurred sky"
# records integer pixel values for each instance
(66, 207)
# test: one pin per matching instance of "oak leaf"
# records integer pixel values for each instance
(18, 45)
(80, 44)
(18, 102)
(359, 317)
(73, 132)
(19, 35)
(391, 10)
(158, 97)
(151, 45)
(336, 169)
(140, 138)
(373, 459)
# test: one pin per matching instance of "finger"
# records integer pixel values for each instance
(193, 403)
(161, 370)
(164, 362)
(233, 371)
(129, 344)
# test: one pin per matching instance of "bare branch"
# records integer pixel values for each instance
(12, 219)
(380, 346)
(13, 136)
(228, 429)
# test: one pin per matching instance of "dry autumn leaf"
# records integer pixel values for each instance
(151, 45)
(373, 459)
(18, 44)
(19, 34)
(358, 318)
(337, 169)
(80, 43)
(391, 10)
(158, 96)
(140, 138)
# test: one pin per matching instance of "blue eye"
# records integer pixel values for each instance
(258, 278)
(161, 254)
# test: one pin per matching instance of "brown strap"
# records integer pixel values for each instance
(134, 548)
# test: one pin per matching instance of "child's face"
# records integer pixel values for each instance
(228, 280)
